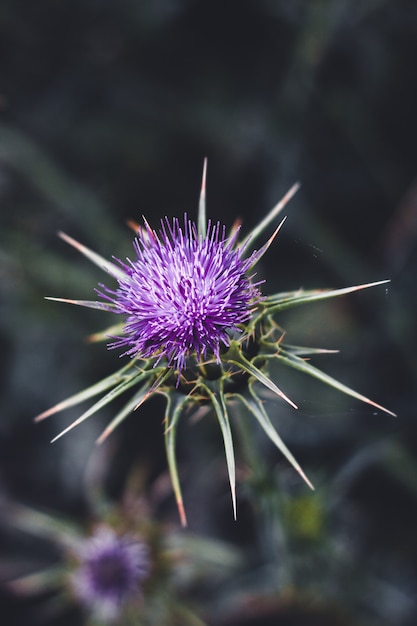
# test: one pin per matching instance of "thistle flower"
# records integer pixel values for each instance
(194, 322)
(111, 571)
(183, 295)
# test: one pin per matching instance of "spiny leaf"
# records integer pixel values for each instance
(279, 302)
(254, 234)
(88, 393)
(138, 399)
(202, 219)
(219, 404)
(235, 357)
(304, 366)
(105, 265)
(88, 304)
(255, 406)
(306, 351)
(164, 373)
(109, 397)
(124, 412)
(259, 254)
(175, 405)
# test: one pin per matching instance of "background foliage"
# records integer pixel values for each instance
(107, 111)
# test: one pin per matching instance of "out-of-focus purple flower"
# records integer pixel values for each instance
(183, 294)
(111, 571)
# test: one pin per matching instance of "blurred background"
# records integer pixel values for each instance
(107, 111)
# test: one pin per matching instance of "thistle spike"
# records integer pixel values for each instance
(98, 260)
(202, 219)
(254, 234)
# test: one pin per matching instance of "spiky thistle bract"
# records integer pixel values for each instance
(192, 316)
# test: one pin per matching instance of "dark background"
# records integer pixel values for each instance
(107, 110)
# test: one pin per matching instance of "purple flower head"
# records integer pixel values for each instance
(111, 571)
(183, 294)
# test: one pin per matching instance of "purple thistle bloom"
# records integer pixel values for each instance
(188, 295)
(183, 294)
(110, 572)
